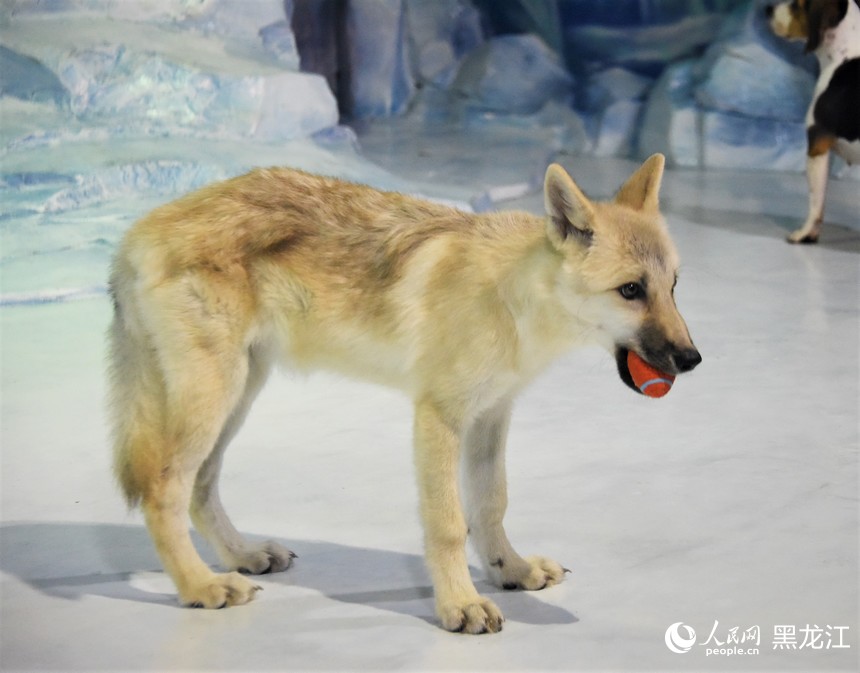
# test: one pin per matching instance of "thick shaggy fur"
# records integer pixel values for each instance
(458, 310)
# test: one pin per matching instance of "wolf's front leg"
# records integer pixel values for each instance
(486, 502)
(437, 448)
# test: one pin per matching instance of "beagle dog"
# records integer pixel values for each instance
(831, 29)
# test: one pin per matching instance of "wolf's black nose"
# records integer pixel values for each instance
(768, 11)
(687, 360)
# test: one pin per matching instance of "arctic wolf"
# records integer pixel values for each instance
(458, 310)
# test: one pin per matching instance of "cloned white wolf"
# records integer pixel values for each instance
(458, 310)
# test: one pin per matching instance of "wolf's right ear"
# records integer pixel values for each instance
(642, 189)
(570, 212)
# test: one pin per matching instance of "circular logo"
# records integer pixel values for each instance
(680, 638)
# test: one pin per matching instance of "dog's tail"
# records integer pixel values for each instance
(136, 394)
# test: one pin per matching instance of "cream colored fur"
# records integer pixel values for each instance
(458, 310)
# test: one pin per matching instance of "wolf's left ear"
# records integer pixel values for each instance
(571, 215)
(642, 189)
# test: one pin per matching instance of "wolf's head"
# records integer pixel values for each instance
(620, 269)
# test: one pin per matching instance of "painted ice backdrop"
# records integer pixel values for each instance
(745, 512)
(112, 106)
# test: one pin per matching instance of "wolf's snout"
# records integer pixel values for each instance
(686, 360)
(769, 10)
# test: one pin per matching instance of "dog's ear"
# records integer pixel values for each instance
(821, 16)
(571, 215)
(642, 189)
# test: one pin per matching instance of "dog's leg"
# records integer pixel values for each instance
(817, 168)
(486, 501)
(437, 448)
(208, 513)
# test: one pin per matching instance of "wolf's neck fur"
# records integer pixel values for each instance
(529, 271)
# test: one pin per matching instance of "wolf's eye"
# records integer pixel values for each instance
(632, 291)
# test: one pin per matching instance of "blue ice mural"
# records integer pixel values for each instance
(109, 107)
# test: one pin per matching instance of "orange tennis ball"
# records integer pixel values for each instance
(650, 381)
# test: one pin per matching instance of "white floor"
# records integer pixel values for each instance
(731, 505)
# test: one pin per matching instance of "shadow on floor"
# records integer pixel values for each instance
(833, 236)
(72, 560)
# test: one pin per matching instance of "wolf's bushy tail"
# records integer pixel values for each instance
(136, 402)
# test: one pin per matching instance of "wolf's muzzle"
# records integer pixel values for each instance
(675, 361)
(686, 360)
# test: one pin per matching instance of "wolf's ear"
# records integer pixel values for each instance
(642, 189)
(570, 212)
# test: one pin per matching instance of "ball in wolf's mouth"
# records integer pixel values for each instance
(650, 381)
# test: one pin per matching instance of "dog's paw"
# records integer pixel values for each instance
(220, 591)
(476, 616)
(808, 233)
(269, 557)
(533, 574)
(802, 237)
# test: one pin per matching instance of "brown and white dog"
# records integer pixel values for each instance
(831, 29)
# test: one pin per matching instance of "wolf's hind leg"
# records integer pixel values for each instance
(208, 513)
(485, 484)
(195, 336)
(165, 512)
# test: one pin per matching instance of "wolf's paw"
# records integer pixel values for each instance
(269, 557)
(477, 616)
(533, 574)
(221, 591)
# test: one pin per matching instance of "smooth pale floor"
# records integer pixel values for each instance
(730, 504)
